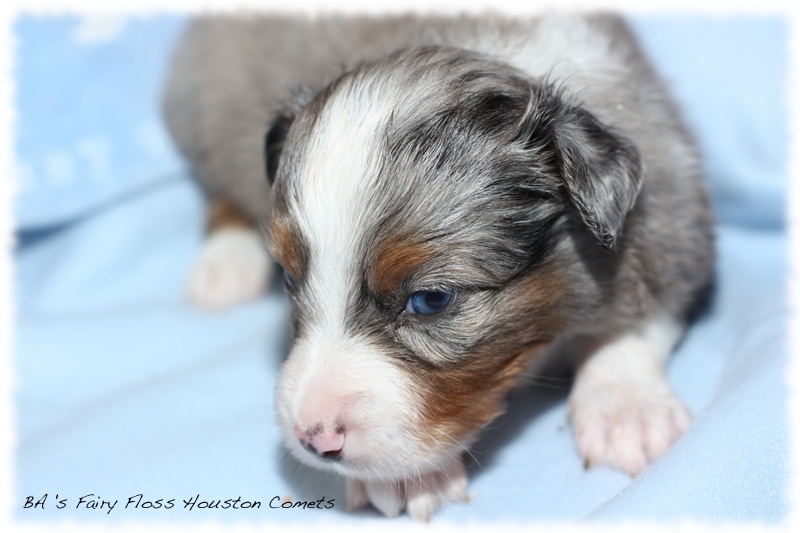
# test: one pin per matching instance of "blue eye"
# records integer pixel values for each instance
(428, 302)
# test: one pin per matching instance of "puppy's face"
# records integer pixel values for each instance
(426, 211)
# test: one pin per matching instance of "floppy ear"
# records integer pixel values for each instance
(600, 170)
(273, 144)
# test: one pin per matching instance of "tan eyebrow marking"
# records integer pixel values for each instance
(397, 258)
(286, 245)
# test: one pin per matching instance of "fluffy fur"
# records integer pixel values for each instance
(535, 169)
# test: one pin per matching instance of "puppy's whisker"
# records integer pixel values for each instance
(463, 447)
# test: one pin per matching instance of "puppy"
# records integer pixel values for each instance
(452, 200)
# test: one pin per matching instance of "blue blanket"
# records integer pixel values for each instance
(123, 389)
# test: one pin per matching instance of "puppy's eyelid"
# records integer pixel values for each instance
(289, 281)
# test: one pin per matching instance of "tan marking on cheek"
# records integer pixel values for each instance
(224, 214)
(395, 262)
(466, 397)
(286, 246)
(460, 401)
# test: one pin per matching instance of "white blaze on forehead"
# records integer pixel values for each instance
(337, 178)
(334, 376)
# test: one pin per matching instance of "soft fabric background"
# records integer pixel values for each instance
(123, 388)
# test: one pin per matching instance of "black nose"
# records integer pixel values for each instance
(334, 455)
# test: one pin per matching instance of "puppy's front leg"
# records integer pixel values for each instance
(623, 411)
(233, 265)
(422, 494)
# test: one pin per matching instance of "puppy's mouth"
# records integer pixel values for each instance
(368, 453)
(363, 467)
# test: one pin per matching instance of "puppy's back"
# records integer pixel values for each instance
(231, 76)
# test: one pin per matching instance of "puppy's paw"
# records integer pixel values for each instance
(421, 495)
(427, 493)
(233, 266)
(356, 494)
(625, 426)
(387, 497)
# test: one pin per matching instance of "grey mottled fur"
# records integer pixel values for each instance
(534, 171)
(233, 77)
